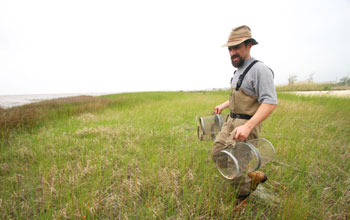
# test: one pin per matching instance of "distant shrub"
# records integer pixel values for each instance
(292, 79)
(327, 87)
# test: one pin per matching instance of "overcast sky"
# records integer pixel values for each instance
(77, 46)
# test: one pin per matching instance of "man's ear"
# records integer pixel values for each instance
(250, 44)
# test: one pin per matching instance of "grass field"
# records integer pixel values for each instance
(136, 156)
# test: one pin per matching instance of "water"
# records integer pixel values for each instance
(8, 101)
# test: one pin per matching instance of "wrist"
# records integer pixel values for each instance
(249, 125)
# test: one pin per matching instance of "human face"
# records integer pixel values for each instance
(239, 53)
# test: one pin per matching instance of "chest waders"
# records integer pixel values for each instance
(242, 107)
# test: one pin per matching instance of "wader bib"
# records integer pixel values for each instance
(242, 107)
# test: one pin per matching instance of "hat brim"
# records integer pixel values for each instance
(234, 43)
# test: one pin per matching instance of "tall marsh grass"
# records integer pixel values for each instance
(308, 86)
(138, 157)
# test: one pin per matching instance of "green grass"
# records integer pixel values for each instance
(136, 156)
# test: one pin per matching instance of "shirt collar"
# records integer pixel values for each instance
(246, 63)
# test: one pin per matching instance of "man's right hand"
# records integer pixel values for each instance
(218, 109)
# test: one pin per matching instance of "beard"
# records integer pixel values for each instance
(237, 63)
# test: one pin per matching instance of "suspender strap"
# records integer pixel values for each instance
(241, 77)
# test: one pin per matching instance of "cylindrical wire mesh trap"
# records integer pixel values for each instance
(244, 157)
(209, 127)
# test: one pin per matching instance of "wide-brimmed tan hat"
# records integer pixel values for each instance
(239, 35)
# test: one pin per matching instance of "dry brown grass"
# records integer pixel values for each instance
(305, 86)
(27, 116)
(341, 88)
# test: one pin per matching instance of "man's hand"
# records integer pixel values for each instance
(242, 132)
(218, 109)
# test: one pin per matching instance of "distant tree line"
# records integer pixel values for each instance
(344, 81)
(293, 79)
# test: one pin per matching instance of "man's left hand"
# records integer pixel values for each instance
(242, 132)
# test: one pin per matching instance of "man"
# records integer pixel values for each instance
(253, 98)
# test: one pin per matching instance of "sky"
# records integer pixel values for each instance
(84, 46)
